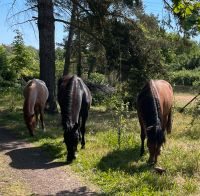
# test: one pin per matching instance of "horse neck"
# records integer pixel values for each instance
(29, 102)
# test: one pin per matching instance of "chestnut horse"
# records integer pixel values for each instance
(74, 99)
(154, 108)
(35, 94)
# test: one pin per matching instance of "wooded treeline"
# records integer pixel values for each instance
(109, 41)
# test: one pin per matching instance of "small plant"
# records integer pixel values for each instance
(121, 115)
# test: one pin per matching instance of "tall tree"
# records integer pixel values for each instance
(46, 29)
(20, 58)
(68, 43)
(3, 62)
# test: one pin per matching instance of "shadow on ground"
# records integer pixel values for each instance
(24, 157)
(80, 191)
(31, 158)
(125, 160)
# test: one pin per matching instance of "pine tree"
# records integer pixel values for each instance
(21, 57)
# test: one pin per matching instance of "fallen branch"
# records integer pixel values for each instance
(182, 109)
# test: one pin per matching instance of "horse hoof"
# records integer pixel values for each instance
(71, 158)
(151, 163)
(159, 170)
(83, 147)
(69, 162)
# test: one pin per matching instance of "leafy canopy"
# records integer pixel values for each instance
(188, 12)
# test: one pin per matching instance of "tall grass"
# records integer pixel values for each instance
(120, 171)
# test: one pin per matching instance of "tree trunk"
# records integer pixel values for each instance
(91, 65)
(46, 30)
(68, 44)
(79, 64)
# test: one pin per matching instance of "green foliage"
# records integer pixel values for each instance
(133, 55)
(185, 77)
(98, 98)
(24, 60)
(97, 78)
(120, 113)
(3, 58)
(6, 73)
(179, 52)
(188, 14)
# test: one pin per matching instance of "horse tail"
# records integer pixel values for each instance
(169, 122)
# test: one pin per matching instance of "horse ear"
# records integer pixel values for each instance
(150, 127)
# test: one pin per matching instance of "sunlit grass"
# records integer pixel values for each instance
(122, 171)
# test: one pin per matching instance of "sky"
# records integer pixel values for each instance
(30, 33)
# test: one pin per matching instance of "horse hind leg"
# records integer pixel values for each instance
(142, 136)
(84, 119)
(79, 131)
(31, 124)
(169, 122)
(36, 119)
(42, 120)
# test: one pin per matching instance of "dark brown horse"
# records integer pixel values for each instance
(74, 99)
(154, 107)
(35, 97)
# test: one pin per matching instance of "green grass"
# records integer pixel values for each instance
(120, 171)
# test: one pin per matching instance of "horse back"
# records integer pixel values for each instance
(35, 94)
(73, 97)
(154, 102)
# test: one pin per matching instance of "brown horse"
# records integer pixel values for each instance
(35, 94)
(154, 107)
(74, 99)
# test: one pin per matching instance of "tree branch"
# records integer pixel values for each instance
(165, 1)
(20, 12)
(19, 23)
(81, 28)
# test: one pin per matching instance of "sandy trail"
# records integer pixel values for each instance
(38, 172)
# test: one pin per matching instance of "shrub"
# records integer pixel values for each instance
(185, 77)
(97, 78)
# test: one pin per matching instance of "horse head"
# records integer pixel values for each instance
(31, 123)
(71, 139)
(155, 139)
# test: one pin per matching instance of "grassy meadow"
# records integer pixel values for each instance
(120, 171)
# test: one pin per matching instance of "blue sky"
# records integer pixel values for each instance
(30, 38)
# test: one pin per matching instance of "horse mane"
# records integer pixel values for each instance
(159, 135)
(67, 99)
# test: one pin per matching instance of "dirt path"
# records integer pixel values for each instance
(38, 173)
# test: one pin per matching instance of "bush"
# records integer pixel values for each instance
(97, 78)
(185, 77)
